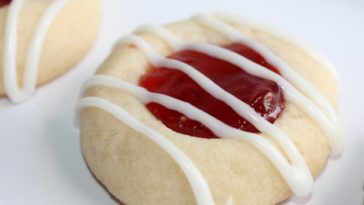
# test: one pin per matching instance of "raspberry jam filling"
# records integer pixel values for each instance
(4, 2)
(263, 95)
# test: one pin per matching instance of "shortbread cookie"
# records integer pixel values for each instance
(209, 110)
(41, 39)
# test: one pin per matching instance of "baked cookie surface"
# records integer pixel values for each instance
(138, 171)
(68, 38)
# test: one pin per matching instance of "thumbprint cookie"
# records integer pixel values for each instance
(209, 110)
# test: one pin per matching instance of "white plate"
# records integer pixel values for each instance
(40, 159)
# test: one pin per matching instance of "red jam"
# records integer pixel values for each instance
(265, 96)
(4, 2)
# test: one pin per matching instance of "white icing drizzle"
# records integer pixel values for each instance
(328, 124)
(333, 130)
(300, 185)
(11, 86)
(294, 170)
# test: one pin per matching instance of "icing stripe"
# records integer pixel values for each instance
(296, 175)
(194, 177)
(314, 53)
(11, 86)
(163, 33)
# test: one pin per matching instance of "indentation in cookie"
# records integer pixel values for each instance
(265, 96)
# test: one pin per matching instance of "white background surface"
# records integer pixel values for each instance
(40, 159)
